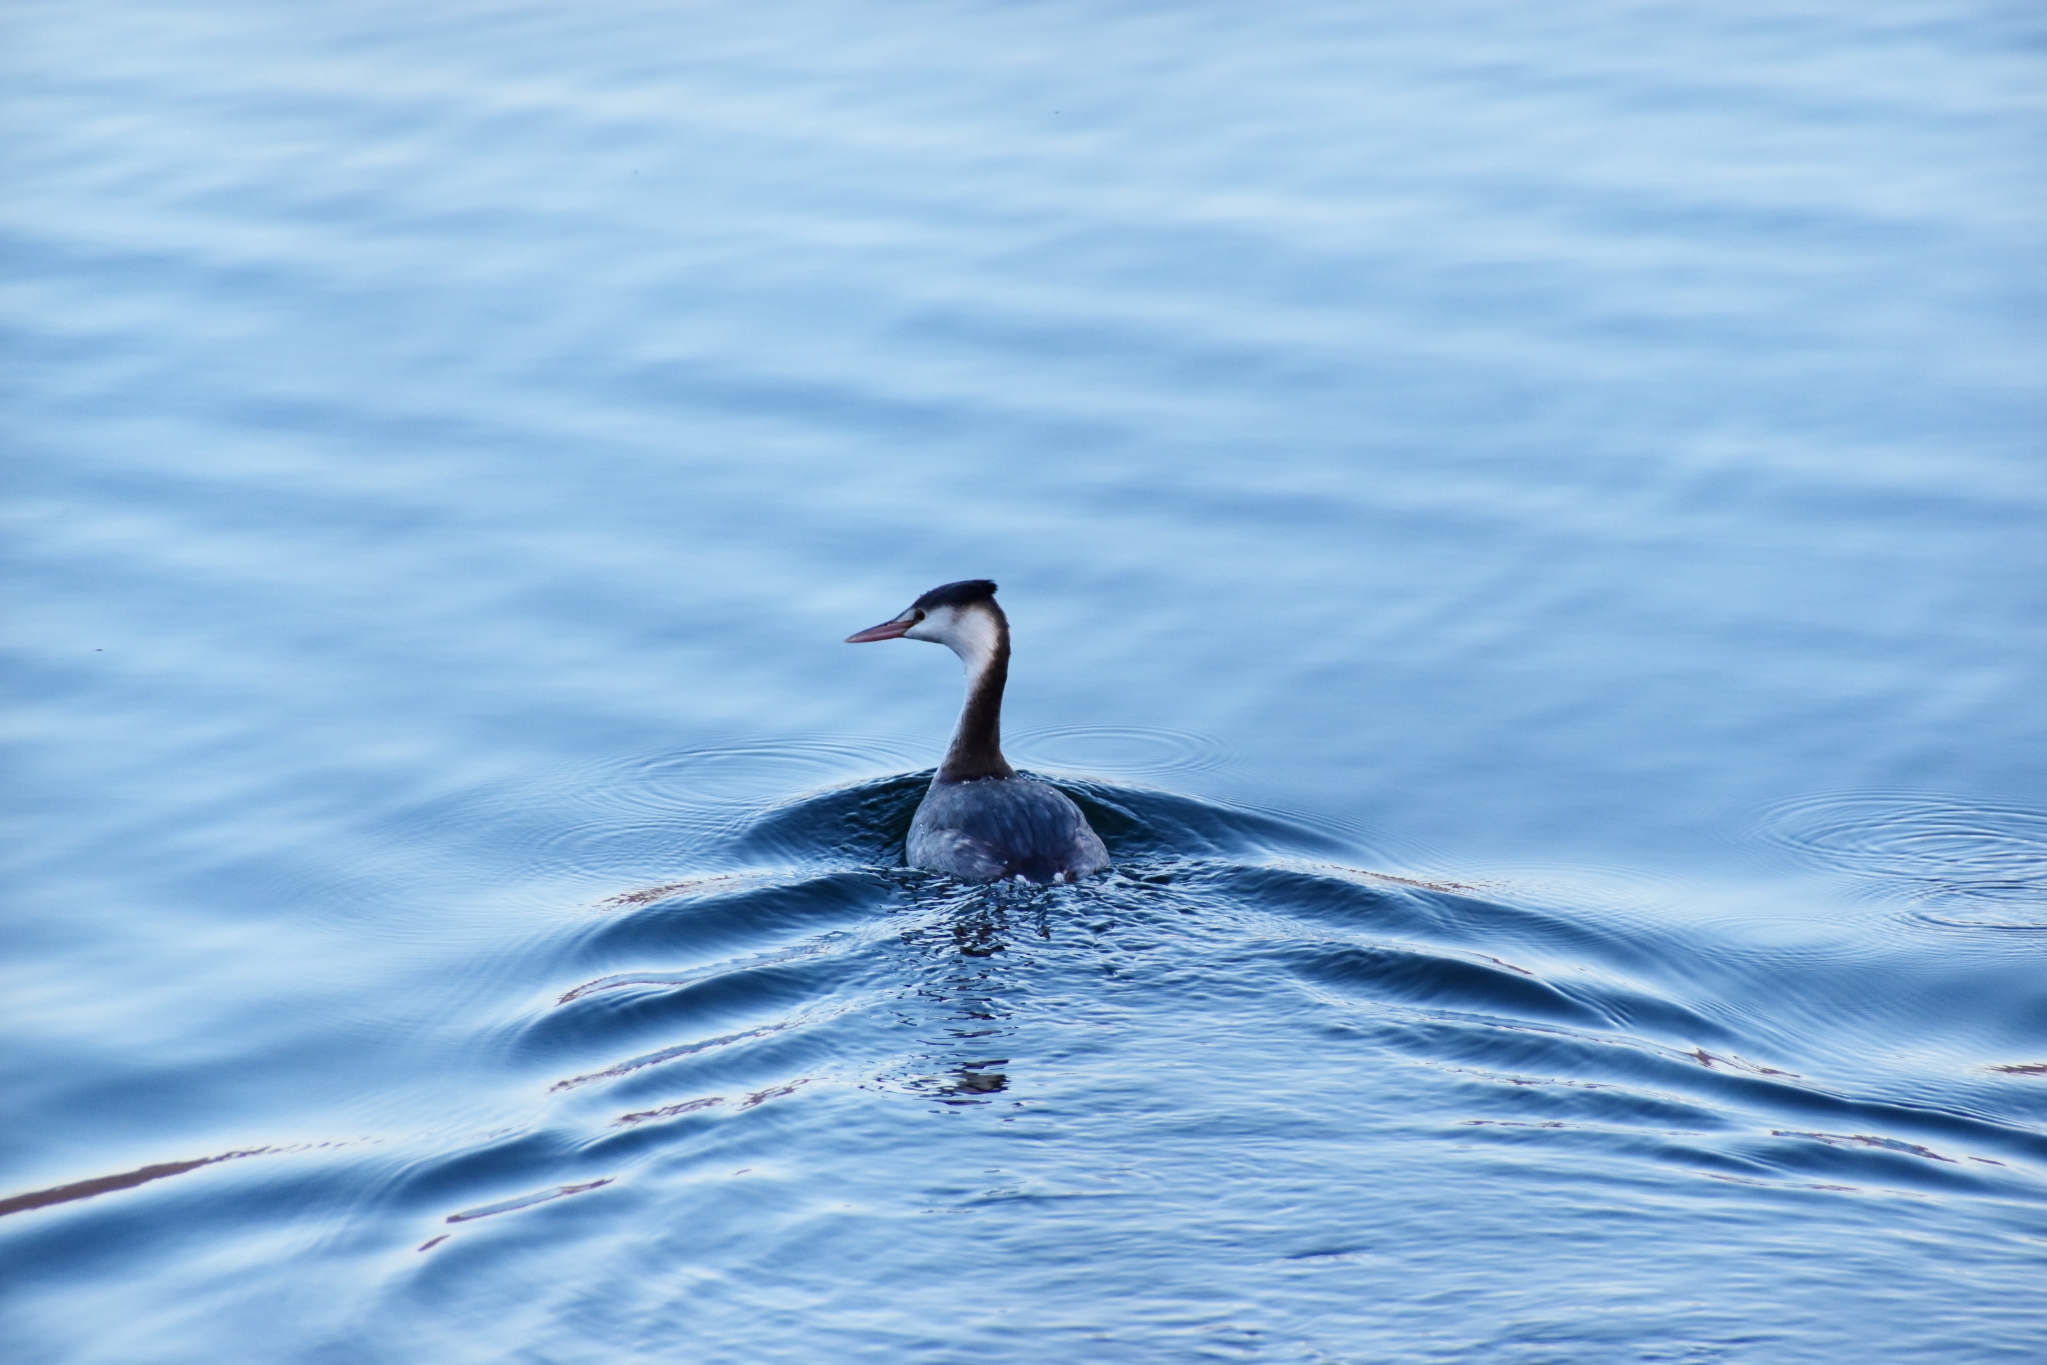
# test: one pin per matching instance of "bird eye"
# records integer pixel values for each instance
(919, 616)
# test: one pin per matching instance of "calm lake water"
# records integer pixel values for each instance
(1523, 527)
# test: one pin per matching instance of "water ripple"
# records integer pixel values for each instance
(764, 999)
(1119, 750)
(1968, 864)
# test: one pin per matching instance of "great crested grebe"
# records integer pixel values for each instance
(979, 820)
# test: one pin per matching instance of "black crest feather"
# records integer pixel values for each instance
(957, 594)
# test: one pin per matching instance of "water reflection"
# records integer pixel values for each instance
(107, 1184)
(961, 944)
(973, 1081)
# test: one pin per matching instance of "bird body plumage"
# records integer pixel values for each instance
(990, 828)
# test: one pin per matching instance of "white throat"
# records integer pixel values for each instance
(968, 632)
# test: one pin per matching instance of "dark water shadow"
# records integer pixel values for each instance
(866, 822)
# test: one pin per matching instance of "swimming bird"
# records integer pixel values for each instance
(979, 819)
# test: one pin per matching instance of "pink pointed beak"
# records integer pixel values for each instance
(887, 630)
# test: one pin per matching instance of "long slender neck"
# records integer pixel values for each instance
(976, 749)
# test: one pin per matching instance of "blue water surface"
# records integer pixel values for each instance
(1523, 529)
